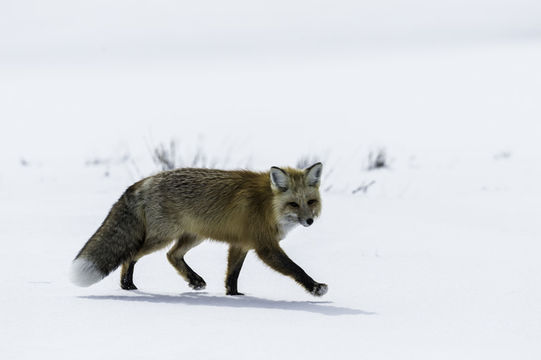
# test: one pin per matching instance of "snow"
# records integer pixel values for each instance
(438, 258)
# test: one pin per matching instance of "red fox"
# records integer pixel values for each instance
(248, 210)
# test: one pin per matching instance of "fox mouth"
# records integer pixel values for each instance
(292, 219)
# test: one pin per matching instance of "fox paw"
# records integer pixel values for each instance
(319, 289)
(232, 290)
(234, 293)
(198, 284)
(128, 285)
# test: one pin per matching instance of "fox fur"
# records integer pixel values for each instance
(248, 210)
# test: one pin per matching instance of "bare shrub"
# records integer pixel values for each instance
(168, 157)
(377, 160)
(108, 163)
(502, 155)
(165, 156)
(363, 187)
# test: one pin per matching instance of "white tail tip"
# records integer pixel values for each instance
(84, 273)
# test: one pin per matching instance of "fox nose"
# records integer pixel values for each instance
(310, 221)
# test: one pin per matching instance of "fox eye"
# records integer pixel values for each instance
(312, 202)
(293, 204)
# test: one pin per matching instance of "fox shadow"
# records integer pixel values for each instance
(204, 299)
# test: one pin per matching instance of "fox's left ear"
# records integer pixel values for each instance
(313, 174)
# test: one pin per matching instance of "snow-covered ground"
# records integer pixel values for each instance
(438, 259)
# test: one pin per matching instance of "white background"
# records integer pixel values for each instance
(438, 259)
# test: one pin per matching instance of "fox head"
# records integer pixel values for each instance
(296, 195)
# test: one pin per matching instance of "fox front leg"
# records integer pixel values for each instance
(277, 259)
(235, 260)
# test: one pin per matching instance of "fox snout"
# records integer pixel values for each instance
(306, 222)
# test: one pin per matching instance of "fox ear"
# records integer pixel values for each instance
(313, 174)
(279, 178)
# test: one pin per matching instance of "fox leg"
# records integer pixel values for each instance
(176, 258)
(277, 259)
(126, 275)
(235, 260)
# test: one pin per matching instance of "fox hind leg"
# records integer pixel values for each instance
(126, 275)
(150, 245)
(176, 258)
(235, 260)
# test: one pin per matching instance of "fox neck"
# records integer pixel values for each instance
(286, 226)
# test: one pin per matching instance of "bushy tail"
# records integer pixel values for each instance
(117, 240)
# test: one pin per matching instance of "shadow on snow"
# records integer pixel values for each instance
(203, 299)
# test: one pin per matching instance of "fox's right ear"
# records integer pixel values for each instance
(313, 174)
(279, 178)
